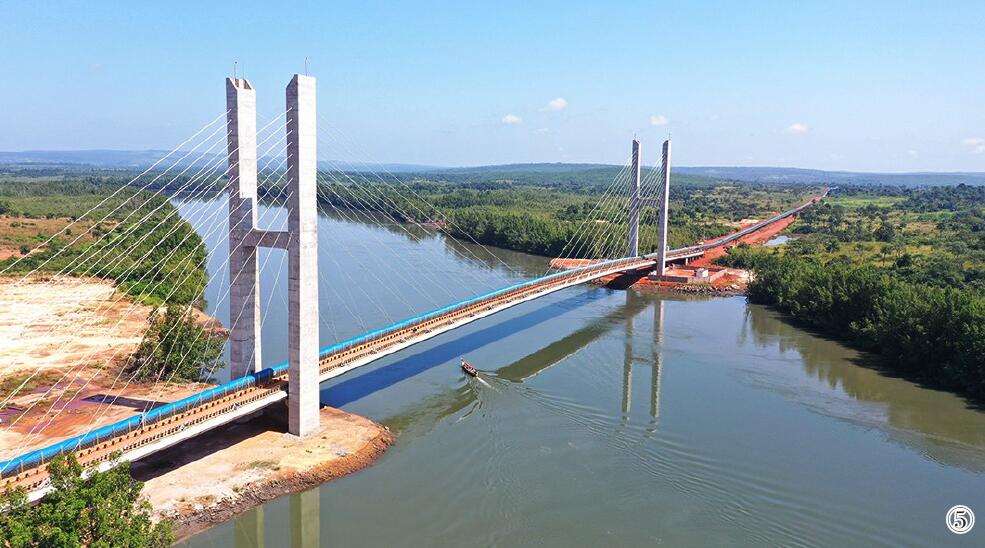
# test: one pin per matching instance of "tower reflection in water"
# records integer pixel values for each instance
(305, 525)
(656, 349)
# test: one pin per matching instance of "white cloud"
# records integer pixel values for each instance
(512, 120)
(659, 120)
(913, 154)
(976, 145)
(796, 128)
(543, 130)
(555, 105)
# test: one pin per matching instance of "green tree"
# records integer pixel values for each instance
(176, 347)
(102, 510)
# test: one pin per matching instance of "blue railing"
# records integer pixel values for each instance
(39, 456)
(99, 435)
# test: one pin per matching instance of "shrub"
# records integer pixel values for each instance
(176, 348)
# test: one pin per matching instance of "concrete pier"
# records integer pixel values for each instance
(244, 291)
(633, 248)
(664, 209)
(302, 256)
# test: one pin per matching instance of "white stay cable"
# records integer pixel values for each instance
(104, 200)
(442, 216)
(123, 276)
(83, 233)
(132, 307)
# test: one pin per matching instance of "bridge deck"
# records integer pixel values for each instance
(172, 423)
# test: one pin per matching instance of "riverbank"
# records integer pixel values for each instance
(64, 341)
(214, 477)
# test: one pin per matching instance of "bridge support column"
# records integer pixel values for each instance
(633, 249)
(302, 253)
(664, 207)
(244, 301)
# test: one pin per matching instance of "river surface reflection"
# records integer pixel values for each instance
(608, 418)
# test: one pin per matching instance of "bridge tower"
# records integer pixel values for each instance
(636, 202)
(664, 209)
(633, 249)
(300, 240)
(244, 291)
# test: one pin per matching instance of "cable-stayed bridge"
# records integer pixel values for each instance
(252, 387)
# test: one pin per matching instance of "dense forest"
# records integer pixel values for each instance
(535, 209)
(896, 271)
(543, 219)
(148, 249)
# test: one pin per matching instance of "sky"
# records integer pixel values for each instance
(865, 86)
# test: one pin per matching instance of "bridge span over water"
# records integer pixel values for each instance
(254, 390)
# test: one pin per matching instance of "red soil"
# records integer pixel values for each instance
(733, 278)
(760, 236)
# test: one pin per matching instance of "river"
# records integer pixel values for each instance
(603, 417)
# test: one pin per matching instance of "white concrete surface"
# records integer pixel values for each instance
(244, 290)
(633, 249)
(302, 253)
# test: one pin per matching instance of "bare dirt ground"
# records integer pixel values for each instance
(63, 341)
(210, 479)
(50, 323)
(17, 231)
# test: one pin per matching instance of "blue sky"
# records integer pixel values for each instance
(878, 86)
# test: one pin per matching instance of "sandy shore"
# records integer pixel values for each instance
(51, 323)
(63, 342)
(212, 478)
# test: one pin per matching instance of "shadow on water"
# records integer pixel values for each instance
(441, 406)
(936, 423)
(356, 388)
(559, 350)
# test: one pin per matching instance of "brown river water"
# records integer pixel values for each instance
(605, 418)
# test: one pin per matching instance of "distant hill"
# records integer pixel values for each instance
(145, 158)
(814, 176)
(556, 167)
(129, 159)
(95, 158)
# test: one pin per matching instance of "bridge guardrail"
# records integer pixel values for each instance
(136, 423)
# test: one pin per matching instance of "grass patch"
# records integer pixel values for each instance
(260, 465)
(46, 378)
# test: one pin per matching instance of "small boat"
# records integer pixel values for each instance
(469, 369)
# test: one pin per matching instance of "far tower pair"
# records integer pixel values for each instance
(636, 202)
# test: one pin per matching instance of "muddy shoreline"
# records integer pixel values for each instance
(196, 519)
(220, 474)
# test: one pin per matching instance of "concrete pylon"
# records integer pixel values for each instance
(634, 204)
(664, 206)
(244, 291)
(302, 257)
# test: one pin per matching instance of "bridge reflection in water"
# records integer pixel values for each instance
(305, 523)
(656, 346)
